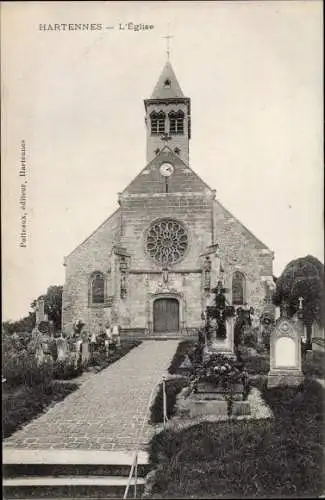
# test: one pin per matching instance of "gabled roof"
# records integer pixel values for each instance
(150, 180)
(167, 86)
(259, 244)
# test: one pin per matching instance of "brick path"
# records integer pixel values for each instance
(106, 412)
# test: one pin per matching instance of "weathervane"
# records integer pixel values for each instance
(168, 37)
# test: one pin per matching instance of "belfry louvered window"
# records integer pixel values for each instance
(176, 123)
(157, 123)
(238, 288)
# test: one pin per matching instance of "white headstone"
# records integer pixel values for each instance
(285, 353)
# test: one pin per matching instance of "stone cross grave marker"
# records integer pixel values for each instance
(40, 315)
(285, 353)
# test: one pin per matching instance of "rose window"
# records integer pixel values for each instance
(166, 241)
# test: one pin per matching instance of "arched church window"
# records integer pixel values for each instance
(157, 121)
(238, 288)
(97, 288)
(176, 122)
(166, 241)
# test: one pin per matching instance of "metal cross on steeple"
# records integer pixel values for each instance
(168, 37)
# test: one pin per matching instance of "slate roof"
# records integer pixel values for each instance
(162, 91)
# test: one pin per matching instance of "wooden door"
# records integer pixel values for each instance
(166, 315)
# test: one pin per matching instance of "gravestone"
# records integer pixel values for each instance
(85, 353)
(77, 352)
(39, 350)
(285, 353)
(62, 347)
(40, 315)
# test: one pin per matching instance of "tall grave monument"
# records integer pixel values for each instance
(218, 316)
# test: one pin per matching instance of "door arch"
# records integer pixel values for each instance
(166, 315)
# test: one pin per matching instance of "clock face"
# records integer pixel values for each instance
(166, 169)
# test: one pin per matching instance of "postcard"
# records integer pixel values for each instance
(163, 248)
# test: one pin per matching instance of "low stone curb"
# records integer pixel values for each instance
(259, 410)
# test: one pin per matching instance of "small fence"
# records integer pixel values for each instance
(134, 466)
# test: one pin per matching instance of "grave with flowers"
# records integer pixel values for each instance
(218, 381)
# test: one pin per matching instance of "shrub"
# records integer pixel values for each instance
(184, 348)
(21, 406)
(314, 366)
(173, 388)
(249, 337)
(22, 368)
(67, 368)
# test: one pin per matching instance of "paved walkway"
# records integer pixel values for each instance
(107, 411)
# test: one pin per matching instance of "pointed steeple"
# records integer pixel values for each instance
(167, 86)
(168, 117)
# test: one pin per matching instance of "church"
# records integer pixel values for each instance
(150, 265)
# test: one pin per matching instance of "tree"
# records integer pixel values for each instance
(23, 325)
(52, 307)
(303, 277)
(52, 304)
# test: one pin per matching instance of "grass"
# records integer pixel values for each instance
(21, 405)
(247, 459)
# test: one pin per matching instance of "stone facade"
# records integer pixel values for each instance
(133, 280)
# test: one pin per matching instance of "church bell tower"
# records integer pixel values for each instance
(168, 117)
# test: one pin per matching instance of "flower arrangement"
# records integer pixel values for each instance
(223, 373)
(220, 371)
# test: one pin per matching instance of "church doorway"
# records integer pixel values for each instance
(166, 315)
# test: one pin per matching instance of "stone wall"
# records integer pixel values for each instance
(195, 212)
(180, 141)
(94, 254)
(241, 251)
(206, 221)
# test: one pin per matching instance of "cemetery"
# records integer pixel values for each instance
(240, 412)
(43, 368)
(259, 425)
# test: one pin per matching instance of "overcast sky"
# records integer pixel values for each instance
(254, 73)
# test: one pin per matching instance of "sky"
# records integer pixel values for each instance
(253, 71)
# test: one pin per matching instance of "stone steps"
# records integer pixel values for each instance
(69, 487)
(70, 474)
